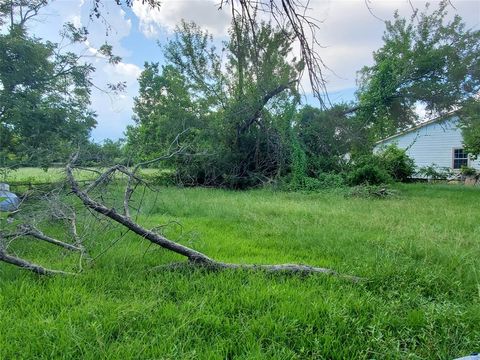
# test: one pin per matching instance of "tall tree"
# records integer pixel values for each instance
(44, 89)
(163, 110)
(235, 107)
(426, 60)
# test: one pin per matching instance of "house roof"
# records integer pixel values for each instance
(419, 126)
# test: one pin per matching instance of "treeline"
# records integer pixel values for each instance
(235, 110)
(234, 107)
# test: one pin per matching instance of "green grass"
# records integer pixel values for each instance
(37, 175)
(419, 250)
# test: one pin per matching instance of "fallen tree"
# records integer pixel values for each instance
(194, 257)
(24, 264)
(94, 198)
(27, 230)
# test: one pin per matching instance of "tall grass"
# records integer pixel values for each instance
(50, 175)
(419, 250)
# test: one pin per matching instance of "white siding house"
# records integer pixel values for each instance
(438, 141)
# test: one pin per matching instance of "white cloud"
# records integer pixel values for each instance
(114, 112)
(130, 71)
(350, 32)
(203, 12)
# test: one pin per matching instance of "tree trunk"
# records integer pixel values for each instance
(29, 266)
(194, 257)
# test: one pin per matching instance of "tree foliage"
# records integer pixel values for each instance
(389, 164)
(236, 103)
(470, 123)
(44, 91)
(427, 60)
(327, 137)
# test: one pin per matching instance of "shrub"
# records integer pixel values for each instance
(368, 173)
(468, 171)
(392, 163)
(322, 182)
(330, 180)
(435, 172)
(397, 163)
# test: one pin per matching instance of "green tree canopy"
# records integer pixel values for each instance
(426, 60)
(234, 102)
(44, 92)
(45, 89)
(470, 121)
(327, 136)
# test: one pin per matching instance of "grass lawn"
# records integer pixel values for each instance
(37, 175)
(420, 251)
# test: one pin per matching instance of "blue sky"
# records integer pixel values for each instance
(348, 32)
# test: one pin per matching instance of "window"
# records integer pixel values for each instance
(460, 158)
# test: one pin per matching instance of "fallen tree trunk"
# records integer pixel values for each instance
(10, 259)
(29, 230)
(194, 257)
(278, 268)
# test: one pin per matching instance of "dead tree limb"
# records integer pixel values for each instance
(291, 15)
(102, 178)
(129, 224)
(194, 257)
(299, 269)
(30, 230)
(66, 213)
(47, 207)
(10, 259)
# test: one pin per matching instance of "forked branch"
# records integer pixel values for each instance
(31, 231)
(195, 258)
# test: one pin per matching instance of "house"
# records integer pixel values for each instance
(438, 141)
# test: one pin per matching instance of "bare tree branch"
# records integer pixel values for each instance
(30, 266)
(289, 14)
(30, 230)
(194, 257)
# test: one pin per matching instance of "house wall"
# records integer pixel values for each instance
(431, 144)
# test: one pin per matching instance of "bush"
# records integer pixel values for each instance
(368, 173)
(435, 172)
(397, 163)
(468, 171)
(375, 169)
(324, 181)
(330, 180)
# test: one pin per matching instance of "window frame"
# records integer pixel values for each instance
(457, 158)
